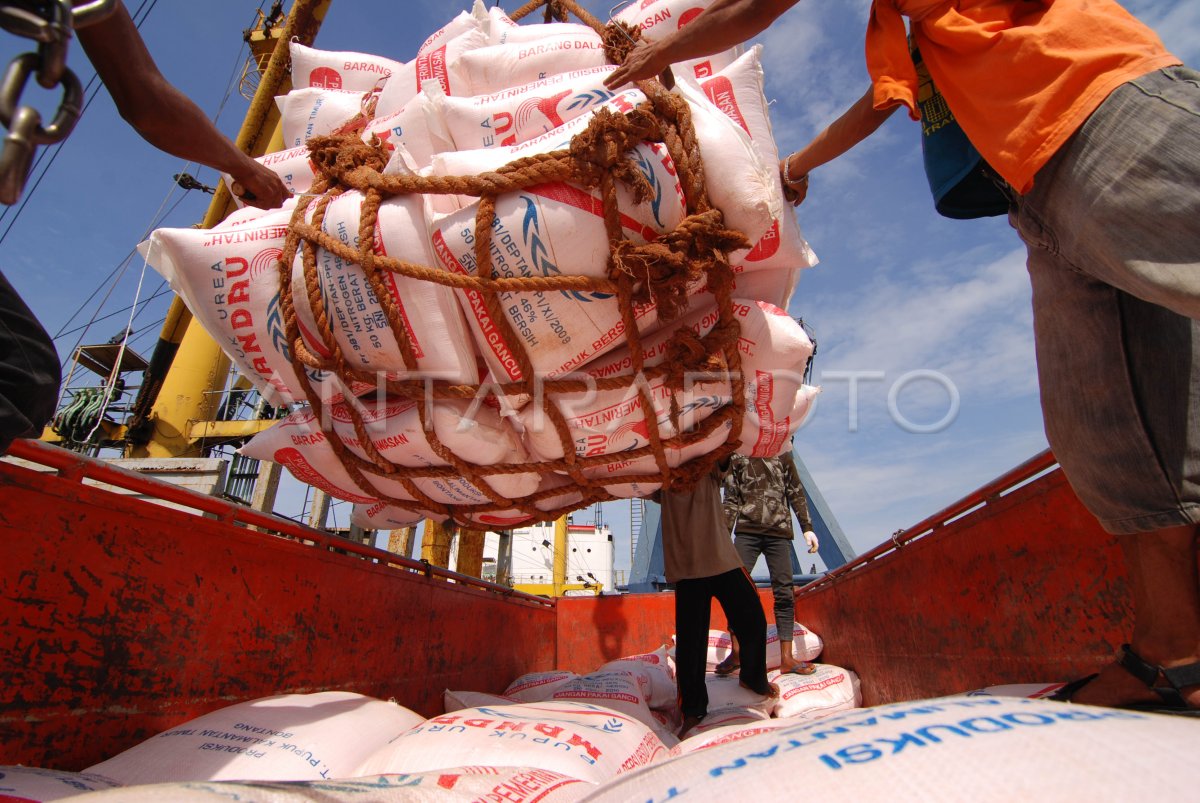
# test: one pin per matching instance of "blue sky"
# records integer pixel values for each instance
(899, 289)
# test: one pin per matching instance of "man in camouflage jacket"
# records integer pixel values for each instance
(760, 495)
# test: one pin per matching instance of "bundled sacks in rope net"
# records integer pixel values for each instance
(586, 301)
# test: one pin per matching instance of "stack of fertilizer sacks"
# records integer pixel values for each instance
(587, 352)
(608, 736)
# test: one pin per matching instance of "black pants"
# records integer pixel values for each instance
(693, 601)
(778, 552)
(29, 370)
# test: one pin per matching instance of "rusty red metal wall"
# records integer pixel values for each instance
(120, 618)
(595, 630)
(1028, 588)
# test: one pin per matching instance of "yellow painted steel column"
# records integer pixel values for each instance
(470, 552)
(435, 544)
(560, 555)
(191, 390)
(400, 541)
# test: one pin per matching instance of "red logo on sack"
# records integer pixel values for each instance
(689, 15)
(767, 245)
(720, 91)
(325, 78)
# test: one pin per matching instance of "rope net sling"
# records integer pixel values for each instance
(658, 272)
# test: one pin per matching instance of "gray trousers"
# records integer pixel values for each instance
(778, 553)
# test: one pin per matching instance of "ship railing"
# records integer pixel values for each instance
(77, 467)
(1027, 472)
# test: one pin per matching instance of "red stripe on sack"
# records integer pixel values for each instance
(771, 433)
(573, 196)
(390, 278)
(720, 91)
(313, 342)
(487, 326)
(301, 469)
(433, 65)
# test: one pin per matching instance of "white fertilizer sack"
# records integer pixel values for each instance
(19, 783)
(661, 18)
(428, 312)
(657, 672)
(827, 691)
(312, 112)
(774, 350)
(588, 742)
(418, 127)
(441, 65)
(737, 90)
(978, 749)
(729, 717)
(617, 689)
(474, 20)
(227, 277)
(292, 165)
(299, 444)
(551, 230)
(462, 784)
(744, 187)
(537, 687)
(728, 726)
(518, 114)
(806, 645)
(288, 737)
(497, 67)
(345, 70)
(729, 693)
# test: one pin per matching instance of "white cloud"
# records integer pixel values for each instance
(967, 319)
(874, 490)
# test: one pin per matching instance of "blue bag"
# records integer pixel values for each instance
(958, 176)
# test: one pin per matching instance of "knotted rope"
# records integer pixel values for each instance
(662, 273)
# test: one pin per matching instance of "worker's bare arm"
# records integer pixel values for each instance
(722, 25)
(164, 116)
(854, 125)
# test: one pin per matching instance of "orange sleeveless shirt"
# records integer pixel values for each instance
(1021, 76)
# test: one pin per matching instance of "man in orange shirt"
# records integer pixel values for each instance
(1093, 130)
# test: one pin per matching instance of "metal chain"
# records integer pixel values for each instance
(51, 24)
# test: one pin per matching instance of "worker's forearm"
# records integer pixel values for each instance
(179, 127)
(719, 27)
(164, 116)
(852, 127)
(724, 24)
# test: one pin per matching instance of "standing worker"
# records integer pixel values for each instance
(702, 563)
(169, 120)
(761, 493)
(1092, 128)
